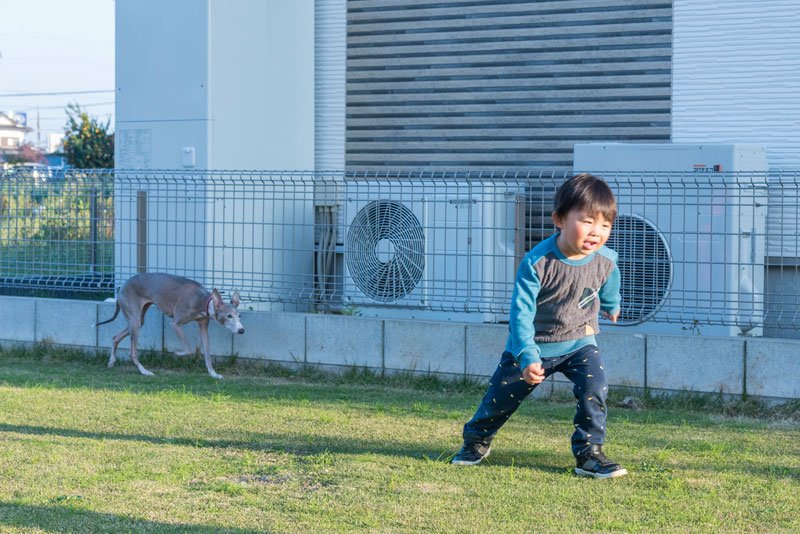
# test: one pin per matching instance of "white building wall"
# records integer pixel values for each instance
(736, 79)
(161, 107)
(162, 83)
(12, 138)
(736, 75)
(261, 106)
(234, 80)
(261, 79)
(217, 84)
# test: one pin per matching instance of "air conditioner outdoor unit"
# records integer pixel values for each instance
(429, 250)
(690, 234)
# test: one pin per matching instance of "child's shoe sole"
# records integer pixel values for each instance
(613, 474)
(473, 462)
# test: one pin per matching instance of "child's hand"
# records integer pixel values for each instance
(613, 318)
(533, 374)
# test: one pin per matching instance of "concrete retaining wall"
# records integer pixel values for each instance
(734, 366)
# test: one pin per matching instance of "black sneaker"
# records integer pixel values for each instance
(471, 454)
(593, 463)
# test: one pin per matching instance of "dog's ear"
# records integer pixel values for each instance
(235, 299)
(217, 298)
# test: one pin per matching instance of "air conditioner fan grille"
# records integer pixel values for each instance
(645, 265)
(385, 250)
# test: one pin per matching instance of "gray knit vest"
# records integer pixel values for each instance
(568, 303)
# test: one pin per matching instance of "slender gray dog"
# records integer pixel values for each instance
(181, 299)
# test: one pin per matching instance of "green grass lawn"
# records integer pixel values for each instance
(54, 258)
(88, 449)
(56, 269)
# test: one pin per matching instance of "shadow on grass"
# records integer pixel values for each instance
(364, 391)
(289, 444)
(75, 368)
(373, 399)
(555, 461)
(76, 519)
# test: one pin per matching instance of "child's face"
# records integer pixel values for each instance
(581, 233)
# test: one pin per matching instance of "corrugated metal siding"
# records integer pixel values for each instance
(443, 84)
(736, 78)
(330, 27)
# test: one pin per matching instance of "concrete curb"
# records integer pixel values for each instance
(759, 367)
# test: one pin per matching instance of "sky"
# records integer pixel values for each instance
(56, 46)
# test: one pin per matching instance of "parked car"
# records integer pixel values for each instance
(37, 171)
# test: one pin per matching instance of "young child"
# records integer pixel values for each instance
(562, 285)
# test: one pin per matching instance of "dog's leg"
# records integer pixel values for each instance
(206, 353)
(119, 337)
(179, 332)
(134, 357)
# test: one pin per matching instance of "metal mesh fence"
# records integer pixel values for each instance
(712, 253)
(56, 232)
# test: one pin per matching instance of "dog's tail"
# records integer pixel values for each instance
(116, 312)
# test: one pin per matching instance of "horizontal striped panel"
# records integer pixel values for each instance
(542, 121)
(510, 95)
(569, 135)
(518, 68)
(512, 21)
(505, 108)
(452, 160)
(537, 44)
(481, 84)
(467, 51)
(390, 8)
(468, 144)
(475, 36)
(391, 144)
(509, 84)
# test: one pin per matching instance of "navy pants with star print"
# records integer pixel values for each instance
(507, 390)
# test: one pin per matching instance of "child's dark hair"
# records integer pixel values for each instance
(587, 193)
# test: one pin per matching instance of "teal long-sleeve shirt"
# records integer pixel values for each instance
(556, 301)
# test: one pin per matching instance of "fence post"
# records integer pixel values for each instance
(93, 229)
(141, 231)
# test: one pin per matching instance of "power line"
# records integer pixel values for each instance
(58, 93)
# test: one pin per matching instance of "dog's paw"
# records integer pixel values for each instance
(145, 372)
(217, 376)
